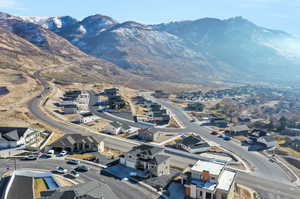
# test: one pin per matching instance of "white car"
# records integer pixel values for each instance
(61, 170)
(74, 173)
(50, 153)
(63, 153)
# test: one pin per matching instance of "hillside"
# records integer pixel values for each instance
(202, 51)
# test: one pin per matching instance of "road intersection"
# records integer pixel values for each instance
(268, 178)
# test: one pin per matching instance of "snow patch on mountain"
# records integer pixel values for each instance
(82, 29)
(35, 20)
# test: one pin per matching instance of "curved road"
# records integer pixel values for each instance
(268, 177)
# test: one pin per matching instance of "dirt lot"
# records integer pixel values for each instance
(166, 136)
(12, 106)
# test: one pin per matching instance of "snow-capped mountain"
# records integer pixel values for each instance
(207, 49)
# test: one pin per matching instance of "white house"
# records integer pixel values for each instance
(210, 180)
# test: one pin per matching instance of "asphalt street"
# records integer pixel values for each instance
(124, 190)
(268, 177)
(263, 167)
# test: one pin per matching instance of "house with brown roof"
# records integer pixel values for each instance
(78, 143)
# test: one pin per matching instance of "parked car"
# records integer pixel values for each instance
(30, 157)
(61, 170)
(63, 153)
(214, 133)
(72, 161)
(74, 173)
(226, 138)
(220, 136)
(82, 168)
(50, 153)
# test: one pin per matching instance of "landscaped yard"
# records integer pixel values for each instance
(39, 186)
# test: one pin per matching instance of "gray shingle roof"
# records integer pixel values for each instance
(240, 128)
(90, 190)
(12, 133)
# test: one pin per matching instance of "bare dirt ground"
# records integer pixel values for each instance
(21, 89)
(243, 192)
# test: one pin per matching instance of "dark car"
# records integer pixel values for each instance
(226, 138)
(82, 168)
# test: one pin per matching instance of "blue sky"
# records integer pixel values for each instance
(276, 14)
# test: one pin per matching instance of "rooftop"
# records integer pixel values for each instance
(226, 180)
(212, 167)
(240, 128)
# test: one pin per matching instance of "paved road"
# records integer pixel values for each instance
(268, 177)
(124, 190)
(263, 167)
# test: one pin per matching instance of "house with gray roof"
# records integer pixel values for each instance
(147, 158)
(239, 130)
(78, 143)
(192, 144)
(89, 190)
(116, 128)
(11, 137)
(267, 141)
(148, 134)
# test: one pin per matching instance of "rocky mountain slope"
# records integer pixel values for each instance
(28, 47)
(204, 50)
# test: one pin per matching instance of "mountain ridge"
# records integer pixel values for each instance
(192, 51)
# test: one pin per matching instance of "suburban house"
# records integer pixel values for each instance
(160, 94)
(198, 107)
(75, 100)
(110, 92)
(210, 180)
(138, 100)
(218, 122)
(116, 128)
(293, 143)
(89, 190)
(290, 132)
(115, 102)
(11, 137)
(148, 134)
(70, 109)
(86, 117)
(267, 141)
(238, 130)
(192, 144)
(78, 143)
(154, 107)
(244, 119)
(148, 159)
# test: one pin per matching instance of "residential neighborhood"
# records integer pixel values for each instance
(136, 143)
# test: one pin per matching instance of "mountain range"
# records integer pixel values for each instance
(199, 51)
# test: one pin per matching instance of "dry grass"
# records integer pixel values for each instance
(55, 136)
(63, 182)
(39, 186)
(291, 151)
(81, 156)
(111, 152)
(173, 123)
(174, 141)
(243, 192)
(215, 148)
